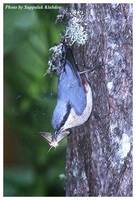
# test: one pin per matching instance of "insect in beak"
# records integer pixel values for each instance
(54, 140)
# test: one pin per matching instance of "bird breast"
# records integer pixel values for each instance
(77, 120)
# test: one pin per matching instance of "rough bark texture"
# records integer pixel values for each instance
(99, 157)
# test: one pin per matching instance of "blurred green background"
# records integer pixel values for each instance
(29, 100)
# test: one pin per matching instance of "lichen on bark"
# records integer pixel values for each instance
(99, 154)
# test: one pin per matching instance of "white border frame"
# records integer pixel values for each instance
(1, 90)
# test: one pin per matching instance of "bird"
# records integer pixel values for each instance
(74, 100)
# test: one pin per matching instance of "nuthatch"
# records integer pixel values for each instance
(74, 101)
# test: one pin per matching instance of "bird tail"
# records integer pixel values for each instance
(70, 57)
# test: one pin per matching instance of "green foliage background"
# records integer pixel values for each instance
(29, 169)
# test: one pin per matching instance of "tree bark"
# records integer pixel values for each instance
(99, 153)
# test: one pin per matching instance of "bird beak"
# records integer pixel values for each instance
(53, 143)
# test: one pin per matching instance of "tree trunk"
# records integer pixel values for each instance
(99, 157)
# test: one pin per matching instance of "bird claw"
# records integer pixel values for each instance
(85, 71)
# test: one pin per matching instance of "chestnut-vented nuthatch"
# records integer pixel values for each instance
(74, 101)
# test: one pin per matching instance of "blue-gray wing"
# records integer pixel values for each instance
(60, 113)
(70, 89)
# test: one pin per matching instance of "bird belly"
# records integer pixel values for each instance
(77, 120)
